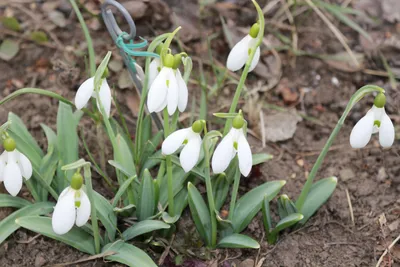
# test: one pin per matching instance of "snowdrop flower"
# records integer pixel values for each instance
(375, 121)
(73, 207)
(190, 139)
(154, 70)
(86, 91)
(240, 52)
(234, 142)
(168, 89)
(13, 166)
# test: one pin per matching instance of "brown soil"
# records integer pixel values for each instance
(329, 239)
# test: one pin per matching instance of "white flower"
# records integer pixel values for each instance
(376, 120)
(234, 142)
(168, 89)
(154, 68)
(13, 166)
(86, 90)
(139, 72)
(240, 53)
(192, 145)
(73, 206)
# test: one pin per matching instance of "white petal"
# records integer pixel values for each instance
(25, 166)
(239, 54)
(139, 72)
(158, 91)
(362, 131)
(12, 178)
(105, 97)
(64, 214)
(256, 58)
(174, 141)
(173, 91)
(84, 93)
(153, 70)
(83, 212)
(183, 92)
(244, 155)
(3, 157)
(190, 153)
(386, 131)
(12, 156)
(222, 154)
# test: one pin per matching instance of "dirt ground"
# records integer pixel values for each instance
(320, 88)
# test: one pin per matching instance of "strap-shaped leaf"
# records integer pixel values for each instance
(128, 254)
(220, 190)
(146, 203)
(8, 225)
(7, 200)
(106, 215)
(248, 205)
(143, 227)
(261, 158)
(320, 192)
(238, 241)
(200, 213)
(76, 237)
(288, 221)
(122, 190)
(178, 183)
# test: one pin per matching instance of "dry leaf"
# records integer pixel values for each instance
(281, 126)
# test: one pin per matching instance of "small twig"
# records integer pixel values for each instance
(101, 255)
(29, 240)
(166, 251)
(262, 128)
(387, 250)
(350, 206)
(335, 31)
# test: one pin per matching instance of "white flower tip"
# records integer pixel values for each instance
(84, 93)
(362, 131)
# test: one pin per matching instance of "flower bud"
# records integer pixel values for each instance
(177, 61)
(159, 48)
(380, 100)
(105, 73)
(9, 144)
(254, 30)
(238, 122)
(198, 126)
(168, 61)
(76, 181)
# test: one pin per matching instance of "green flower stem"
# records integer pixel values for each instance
(171, 205)
(39, 91)
(235, 190)
(357, 96)
(92, 59)
(242, 80)
(145, 89)
(210, 195)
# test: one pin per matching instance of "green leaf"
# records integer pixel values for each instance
(8, 225)
(238, 241)
(125, 157)
(8, 49)
(266, 212)
(128, 254)
(106, 215)
(100, 70)
(147, 201)
(122, 190)
(200, 213)
(261, 158)
(220, 190)
(178, 183)
(225, 115)
(286, 222)
(76, 237)
(248, 206)
(143, 227)
(11, 23)
(50, 135)
(320, 192)
(67, 143)
(39, 37)
(13, 202)
(48, 167)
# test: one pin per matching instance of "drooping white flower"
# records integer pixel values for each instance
(86, 91)
(240, 52)
(73, 207)
(168, 89)
(190, 139)
(154, 70)
(234, 142)
(139, 72)
(13, 166)
(375, 121)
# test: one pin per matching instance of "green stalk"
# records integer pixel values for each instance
(145, 89)
(242, 80)
(357, 96)
(170, 181)
(235, 190)
(92, 59)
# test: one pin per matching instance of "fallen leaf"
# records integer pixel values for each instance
(115, 65)
(280, 126)
(247, 263)
(39, 37)
(11, 23)
(58, 18)
(137, 9)
(343, 62)
(125, 80)
(8, 49)
(133, 102)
